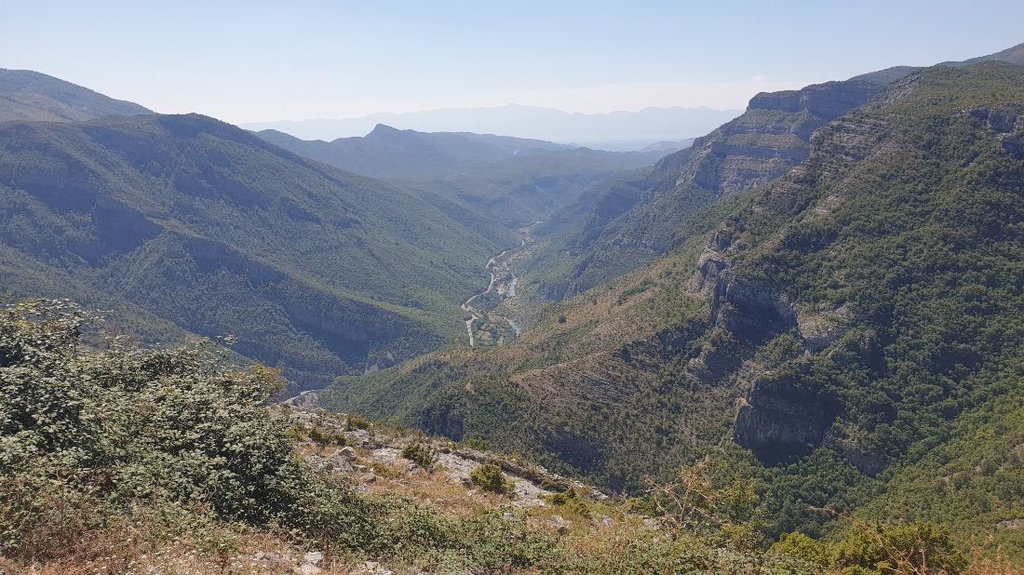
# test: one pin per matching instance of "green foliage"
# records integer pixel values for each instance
(476, 443)
(184, 224)
(880, 549)
(800, 546)
(573, 499)
(123, 427)
(326, 435)
(489, 477)
(421, 454)
(715, 497)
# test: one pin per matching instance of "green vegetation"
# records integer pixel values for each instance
(420, 454)
(866, 317)
(31, 96)
(183, 224)
(868, 549)
(180, 456)
(489, 476)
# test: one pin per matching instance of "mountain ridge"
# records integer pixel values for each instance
(204, 224)
(614, 131)
(26, 95)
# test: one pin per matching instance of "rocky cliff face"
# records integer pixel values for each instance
(1008, 123)
(781, 420)
(767, 141)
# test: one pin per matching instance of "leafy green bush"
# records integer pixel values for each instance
(489, 477)
(420, 454)
(875, 549)
(326, 435)
(123, 427)
(354, 422)
(571, 499)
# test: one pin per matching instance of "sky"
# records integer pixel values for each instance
(258, 61)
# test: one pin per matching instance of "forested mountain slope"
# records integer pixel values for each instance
(513, 180)
(609, 232)
(390, 153)
(210, 229)
(31, 96)
(840, 324)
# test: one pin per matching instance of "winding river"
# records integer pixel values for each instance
(482, 307)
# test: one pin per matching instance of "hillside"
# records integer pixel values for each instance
(31, 96)
(612, 231)
(833, 328)
(512, 180)
(133, 460)
(212, 231)
(406, 154)
(638, 222)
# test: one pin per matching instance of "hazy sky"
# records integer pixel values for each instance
(255, 60)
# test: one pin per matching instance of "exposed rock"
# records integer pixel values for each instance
(651, 524)
(314, 557)
(1011, 524)
(782, 418)
(560, 524)
(867, 463)
(304, 400)
(1008, 122)
(273, 561)
(827, 101)
(603, 520)
(756, 311)
(334, 462)
(822, 328)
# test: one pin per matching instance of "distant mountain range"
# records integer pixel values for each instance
(390, 153)
(616, 131)
(31, 96)
(512, 180)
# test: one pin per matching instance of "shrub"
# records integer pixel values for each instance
(354, 422)
(420, 454)
(572, 500)
(912, 548)
(326, 435)
(489, 477)
(477, 443)
(124, 427)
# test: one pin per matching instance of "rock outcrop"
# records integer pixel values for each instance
(783, 418)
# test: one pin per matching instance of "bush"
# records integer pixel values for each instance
(420, 454)
(326, 435)
(867, 549)
(354, 422)
(124, 427)
(489, 477)
(571, 499)
(912, 548)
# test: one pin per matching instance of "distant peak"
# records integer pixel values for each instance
(383, 130)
